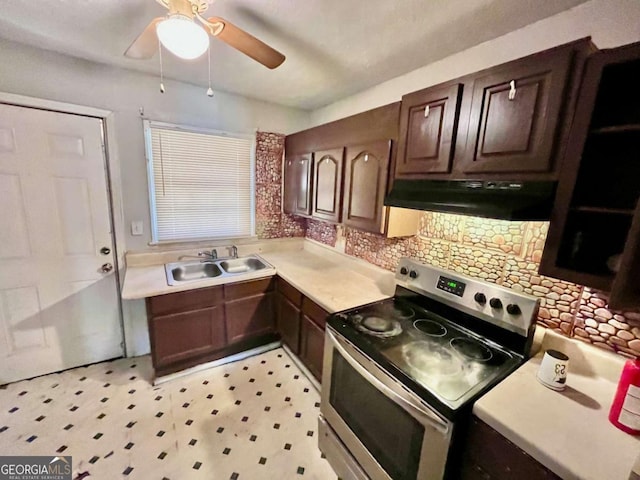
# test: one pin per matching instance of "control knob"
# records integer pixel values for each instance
(413, 274)
(480, 298)
(513, 309)
(404, 271)
(495, 303)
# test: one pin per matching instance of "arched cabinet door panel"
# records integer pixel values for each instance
(366, 171)
(327, 184)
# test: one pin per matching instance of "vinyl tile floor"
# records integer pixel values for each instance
(252, 419)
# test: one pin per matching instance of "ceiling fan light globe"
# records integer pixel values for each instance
(183, 37)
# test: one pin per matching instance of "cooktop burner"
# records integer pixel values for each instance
(431, 360)
(397, 311)
(430, 327)
(471, 349)
(377, 326)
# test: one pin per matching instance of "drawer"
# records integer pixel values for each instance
(185, 301)
(315, 312)
(250, 288)
(290, 292)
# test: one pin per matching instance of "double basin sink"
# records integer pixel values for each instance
(181, 272)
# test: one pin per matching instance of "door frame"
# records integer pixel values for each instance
(112, 178)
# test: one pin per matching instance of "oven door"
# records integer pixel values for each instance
(389, 431)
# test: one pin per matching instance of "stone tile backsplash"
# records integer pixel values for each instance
(502, 252)
(506, 253)
(270, 221)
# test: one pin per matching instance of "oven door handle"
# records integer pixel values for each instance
(418, 410)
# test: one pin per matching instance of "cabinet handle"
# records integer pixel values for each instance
(512, 90)
(426, 111)
(289, 164)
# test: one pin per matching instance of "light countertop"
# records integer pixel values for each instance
(568, 431)
(333, 280)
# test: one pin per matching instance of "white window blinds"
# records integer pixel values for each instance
(201, 183)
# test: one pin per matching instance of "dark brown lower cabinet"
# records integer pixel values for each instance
(312, 346)
(197, 326)
(289, 323)
(490, 456)
(249, 309)
(301, 324)
(179, 336)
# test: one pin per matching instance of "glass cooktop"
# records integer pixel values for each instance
(451, 362)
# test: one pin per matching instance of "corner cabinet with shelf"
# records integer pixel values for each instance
(594, 235)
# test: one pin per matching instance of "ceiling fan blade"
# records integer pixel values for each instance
(146, 45)
(246, 43)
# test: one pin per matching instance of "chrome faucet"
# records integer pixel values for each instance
(212, 255)
(233, 251)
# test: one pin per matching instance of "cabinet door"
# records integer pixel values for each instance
(366, 173)
(327, 184)
(249, 317)
(303, 184)
(489, 455)
(428, 120)
(297, 184)
(289, 323)
(290, 186)
(185, 335)
(312, 346)
(515, 112)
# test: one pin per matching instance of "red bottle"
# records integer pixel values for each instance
(625, 410)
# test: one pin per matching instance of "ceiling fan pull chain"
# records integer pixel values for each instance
(161, 74)
(209, 90)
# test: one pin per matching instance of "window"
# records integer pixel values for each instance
(201, 183)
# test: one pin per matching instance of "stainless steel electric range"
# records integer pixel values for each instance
(400, 376)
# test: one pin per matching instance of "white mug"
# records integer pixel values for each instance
(553, 370)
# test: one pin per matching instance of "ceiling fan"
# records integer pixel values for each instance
(183, 36)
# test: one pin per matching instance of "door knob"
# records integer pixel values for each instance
(106, 268)
(105, 250)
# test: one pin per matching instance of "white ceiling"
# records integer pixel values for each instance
(334, 48)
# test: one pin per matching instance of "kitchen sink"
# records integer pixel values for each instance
(181, 272)
(242, 265)
(186, 272)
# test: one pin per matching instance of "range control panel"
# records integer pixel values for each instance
(498, 305)
(451, 286)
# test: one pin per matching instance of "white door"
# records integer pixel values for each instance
(57, 308)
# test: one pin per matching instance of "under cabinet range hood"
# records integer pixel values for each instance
(482, 198)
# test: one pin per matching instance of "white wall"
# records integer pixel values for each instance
(610, 23)
(43, 74)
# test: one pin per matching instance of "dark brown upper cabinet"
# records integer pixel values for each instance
(327, 184)
(297, 184)
(515, 112)
(366, 173)
(594, 235)
(360, 199)
(428, 121)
